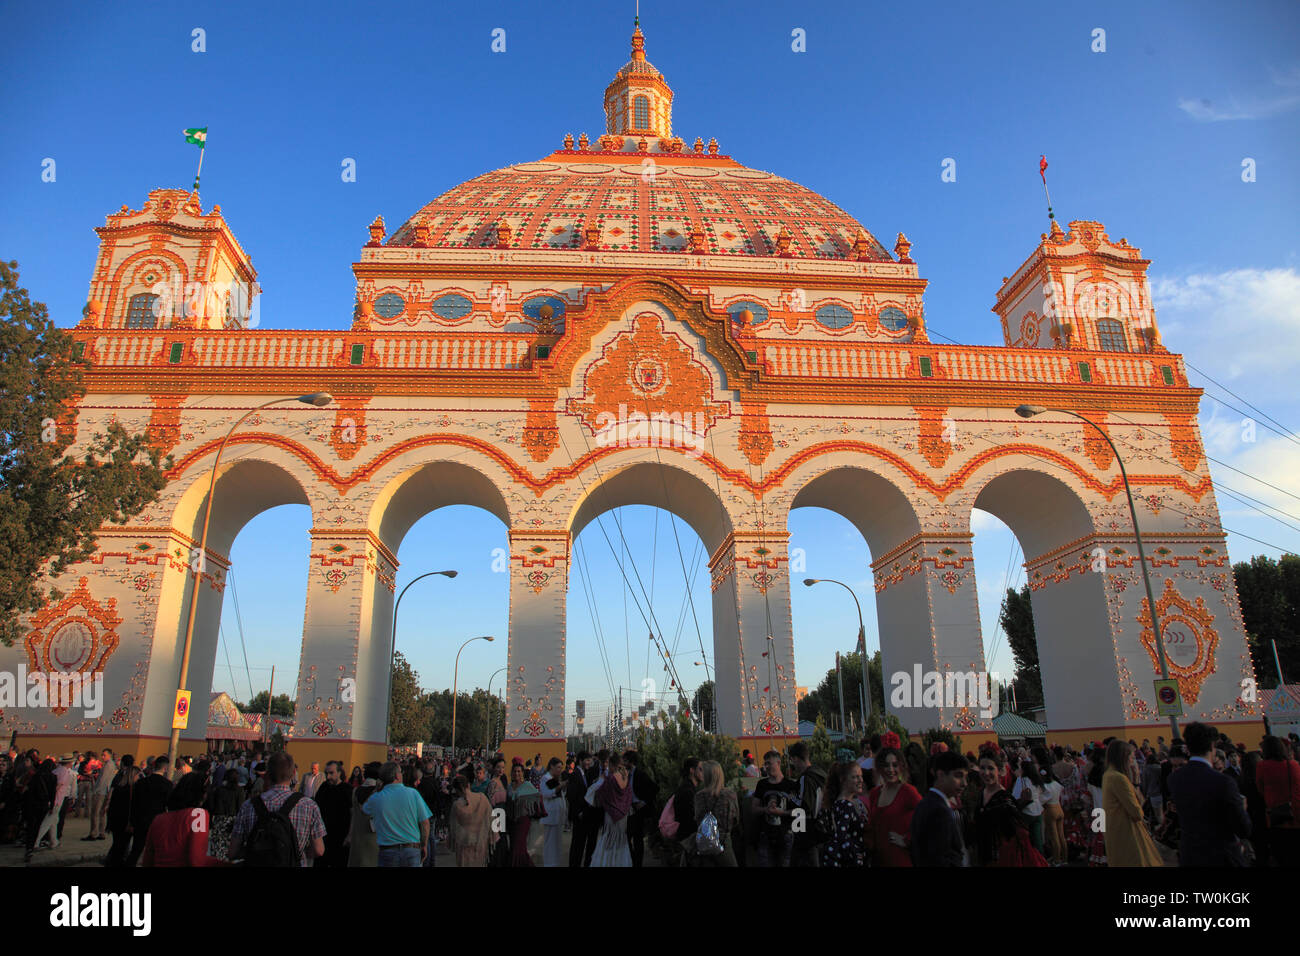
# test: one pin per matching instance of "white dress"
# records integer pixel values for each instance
(611, 845)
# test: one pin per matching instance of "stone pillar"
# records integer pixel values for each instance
(169, 642)
(932, 652)
(539, 585)
(346, 650)
(753, 644)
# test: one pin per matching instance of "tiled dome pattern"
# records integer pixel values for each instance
(640, 207)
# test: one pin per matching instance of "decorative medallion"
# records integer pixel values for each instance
(1190, 641)
(76, 636)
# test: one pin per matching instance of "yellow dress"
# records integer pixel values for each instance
(1127, 841)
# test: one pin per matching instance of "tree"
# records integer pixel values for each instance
(1269, 592)
(824, 702)
(52, 503)
(1017, 620)
(281, 705)
(702, 705)
(407, 716)
(662, 753)
(821, 751)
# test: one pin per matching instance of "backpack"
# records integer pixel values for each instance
(272, 841)
(668, 820)
(708, 838)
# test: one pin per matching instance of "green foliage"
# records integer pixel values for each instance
(408, 721)
(52, 503)
(281, 705)
(1017, 620)
(1269, 592)
(882, 723)
(702, 705)
(938, 735)
(820, 749)
(824, 702)
(663, 752)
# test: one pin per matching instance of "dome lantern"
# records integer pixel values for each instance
(638, 101)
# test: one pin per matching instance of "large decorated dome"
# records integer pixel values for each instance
(638, 188)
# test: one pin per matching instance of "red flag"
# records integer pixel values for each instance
(1042, 168)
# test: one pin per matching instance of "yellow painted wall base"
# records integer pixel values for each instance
(353, 753)
(526, 748)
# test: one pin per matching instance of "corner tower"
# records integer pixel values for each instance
(1079, 290)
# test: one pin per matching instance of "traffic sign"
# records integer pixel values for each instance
(1169, 703)
(181, 713)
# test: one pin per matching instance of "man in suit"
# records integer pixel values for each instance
(582, 844)
(1211, 811)
(148, 800)
(644, 792)
(936, 835)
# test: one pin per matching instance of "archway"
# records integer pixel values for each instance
(1067, 581)
(245, 487)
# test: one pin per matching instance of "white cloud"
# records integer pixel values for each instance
(1249, 107)
(1244, 323)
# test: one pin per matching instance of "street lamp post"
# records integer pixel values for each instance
(317, 399)
(864, 695)
(487, 740)
(1029, 411)
(455, 678)
(392, 650)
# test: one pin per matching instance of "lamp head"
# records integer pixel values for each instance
(1029, 411)
(319, 399)
(488, 637)
(809, 582)
(447, 574)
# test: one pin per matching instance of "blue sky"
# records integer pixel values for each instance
(1148, 137)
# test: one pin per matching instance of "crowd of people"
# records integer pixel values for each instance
(1200, 799)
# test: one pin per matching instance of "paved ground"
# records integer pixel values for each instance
(72, 851)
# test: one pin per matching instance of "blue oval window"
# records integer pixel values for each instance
(893, 319)
(532, 307)
(451, 306)
(389, 304)
(834, 316)
(760, 313)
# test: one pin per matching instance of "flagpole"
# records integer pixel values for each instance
(200, 169)
(1042, 171)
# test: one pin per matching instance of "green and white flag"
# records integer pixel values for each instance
(199, 137)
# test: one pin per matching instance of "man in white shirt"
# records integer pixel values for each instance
(868, 760)
(311, 781)
(99, 795)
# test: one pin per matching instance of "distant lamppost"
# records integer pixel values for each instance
(864, 695)
(455, 678)
(487, 741)
(392, 650)
(1029, 411)
(316, 399)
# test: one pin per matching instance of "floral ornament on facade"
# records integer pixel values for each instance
(75, 636)
(1182, 623)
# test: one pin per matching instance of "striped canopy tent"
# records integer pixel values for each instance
(1015, 727)
(227, 723)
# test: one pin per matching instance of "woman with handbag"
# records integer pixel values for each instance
(716, 813)
(1278, 777)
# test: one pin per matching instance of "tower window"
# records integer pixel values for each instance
(140, 311)
(1111, 334)
(641, 112)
